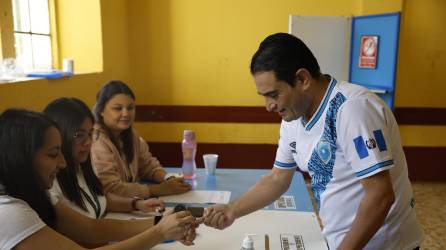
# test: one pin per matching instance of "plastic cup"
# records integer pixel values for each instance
(210, 163)
(68, 65)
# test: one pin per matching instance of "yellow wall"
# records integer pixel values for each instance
(197, 52)
(371, 7)
(79, 33)
(421, 66)
(421, 78)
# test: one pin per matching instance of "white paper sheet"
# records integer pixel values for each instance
(276, 224)
(199, 196)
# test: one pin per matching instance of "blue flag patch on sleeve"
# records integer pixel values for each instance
(380, 140)
(361, 149)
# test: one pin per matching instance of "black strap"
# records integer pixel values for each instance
(96, 205)
(157, 219)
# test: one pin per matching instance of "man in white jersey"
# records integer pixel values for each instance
(346, 138)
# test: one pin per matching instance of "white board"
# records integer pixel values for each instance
(270, 222)
(328, 37)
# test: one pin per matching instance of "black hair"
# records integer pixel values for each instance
(22, 134)
(108, 91)
(284, 54)
(69, 114)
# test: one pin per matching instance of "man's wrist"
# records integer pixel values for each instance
(234, 210)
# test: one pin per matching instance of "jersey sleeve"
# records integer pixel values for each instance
(284, 156)
(19, 221)
(364, 136)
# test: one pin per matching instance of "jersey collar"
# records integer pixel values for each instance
(321, 107)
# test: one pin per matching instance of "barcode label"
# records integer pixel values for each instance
(285, 202)
(292, 242)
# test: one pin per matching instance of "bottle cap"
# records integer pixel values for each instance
(189, 135)
(248, 243)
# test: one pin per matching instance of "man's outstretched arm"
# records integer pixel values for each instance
(264, 192)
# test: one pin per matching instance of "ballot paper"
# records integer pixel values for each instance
(199, 196)
(285, 202)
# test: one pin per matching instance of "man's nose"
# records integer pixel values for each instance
(270, 105)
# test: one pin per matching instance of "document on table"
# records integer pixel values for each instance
(199, 196)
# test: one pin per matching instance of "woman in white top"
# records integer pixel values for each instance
(77, 184)
(30, 158)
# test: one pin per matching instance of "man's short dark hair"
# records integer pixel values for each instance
(284, 54)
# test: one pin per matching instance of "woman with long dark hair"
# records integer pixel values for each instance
(77, 184)
(120, 156)
(30, 158)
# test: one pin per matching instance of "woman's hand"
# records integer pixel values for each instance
(190, 234)
(170, 186)
(150, 205)
(188, 237)
(175, 226)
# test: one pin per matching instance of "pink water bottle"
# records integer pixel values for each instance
(189, 148)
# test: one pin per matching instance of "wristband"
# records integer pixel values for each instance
(157, 219)
(134, 200)
(168, 177)
(172, 175)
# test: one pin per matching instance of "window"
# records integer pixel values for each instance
(32, 34)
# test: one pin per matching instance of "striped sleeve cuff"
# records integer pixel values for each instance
(382, 166)
(290, 165)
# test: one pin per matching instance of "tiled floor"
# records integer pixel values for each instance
(430, 198)
(431, 211)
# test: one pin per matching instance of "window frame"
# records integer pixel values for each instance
(7, 32)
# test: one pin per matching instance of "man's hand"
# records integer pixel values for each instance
(219, 216)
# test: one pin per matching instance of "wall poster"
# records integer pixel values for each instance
(368, 52)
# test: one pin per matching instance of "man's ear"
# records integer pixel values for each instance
(303, 77)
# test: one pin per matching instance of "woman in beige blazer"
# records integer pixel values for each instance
(121, 157)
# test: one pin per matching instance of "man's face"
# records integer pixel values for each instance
(280, 97)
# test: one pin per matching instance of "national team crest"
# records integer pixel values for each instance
(324, 151)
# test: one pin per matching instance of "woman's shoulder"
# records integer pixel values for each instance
(99, 132)
(9, 201)
(12, 209)
(100, 136)
(20, 219)
(138, 141)
(101, 143)
(136, 135)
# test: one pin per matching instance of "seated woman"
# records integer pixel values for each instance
(121, 157)
(77, 184)
(30, 158)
